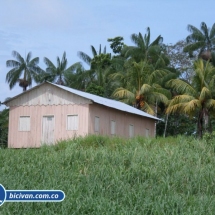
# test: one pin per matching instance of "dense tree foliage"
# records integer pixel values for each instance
(181, 60)
(172, 81)
(4, 117)
(196, 99)
(116, 44)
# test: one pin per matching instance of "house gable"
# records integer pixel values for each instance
(46, 94)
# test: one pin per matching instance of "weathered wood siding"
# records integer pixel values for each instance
(122, 121)
(47, 95)
(48, 129)
(33, 138)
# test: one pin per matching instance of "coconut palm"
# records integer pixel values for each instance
(27, 68)
(144, 49)
(201, 40)
(139, 88)
(79, 79)
(196, 99)
(99, 69)
(58, 73)
(87, 59)
(97, 63)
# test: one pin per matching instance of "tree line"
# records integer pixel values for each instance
(174, 82)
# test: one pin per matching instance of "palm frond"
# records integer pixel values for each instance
(58, 63)
(48, 63)
(122, 93)
(159, 97)
(104, 51)
(86, 58)
(135, 39)
(12, 63)
(191, 106)
(146, 89)
(204, 29)
(212, 82)
(63, 62)
(181, 87)
(210, 104)
(196, 34)
(12, 76)
(159, 89)
(212, 32)
(33, 62)
(174, 108)
(184, 104)
(194, 46)
(157, 75)
(117, 75)
(28, 58)
(100, 49)
(73, 67)
(94, 52)
(205, 94)
(16, 55)
(147, 37)
(157, 41)
(148, 109)
(181, 99)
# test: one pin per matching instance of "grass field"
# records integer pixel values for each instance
(100, 175)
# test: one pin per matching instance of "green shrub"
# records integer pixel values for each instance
(209, 137)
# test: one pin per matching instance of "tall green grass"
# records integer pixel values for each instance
(102, 175)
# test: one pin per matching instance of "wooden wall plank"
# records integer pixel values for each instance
(47, 95)
(33, 138)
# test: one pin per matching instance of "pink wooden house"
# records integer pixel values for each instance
(49, 112)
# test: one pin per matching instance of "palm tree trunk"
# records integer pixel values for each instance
(156, 111)
(200, 123)
(206, 120)
(166, 121)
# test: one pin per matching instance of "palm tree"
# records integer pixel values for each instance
(97, 63)
(28, 68)
(79, 79)
(99, 69)
(87, 59)
(144, 50)
(58, 73)
(195, 99)
(116, 44)
(139, 88)
(202, 40)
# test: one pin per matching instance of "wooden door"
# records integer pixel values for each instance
(48, 130)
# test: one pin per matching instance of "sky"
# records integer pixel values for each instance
(47, 28)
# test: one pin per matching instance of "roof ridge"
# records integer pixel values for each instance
(107, 102)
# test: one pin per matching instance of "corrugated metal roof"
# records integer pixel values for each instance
(97, 99)
(107, 102)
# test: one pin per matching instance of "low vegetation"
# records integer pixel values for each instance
(102, 175)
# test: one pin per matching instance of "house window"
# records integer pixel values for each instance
(96, 124)
(147, 132)
(131, 130)
(72, 122)
(24, 123)
(113, 127)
